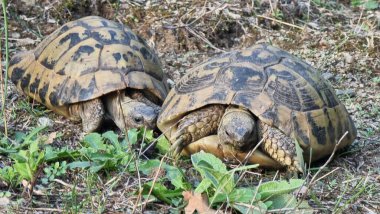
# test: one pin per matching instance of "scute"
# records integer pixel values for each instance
(280, 89)
(85, 59)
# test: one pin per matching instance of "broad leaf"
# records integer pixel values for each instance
(254, 208)
(273, 188)
(113, 138)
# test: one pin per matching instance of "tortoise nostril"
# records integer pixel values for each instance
(228, 133)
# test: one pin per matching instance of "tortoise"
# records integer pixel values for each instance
(261, 94)
(92, 69)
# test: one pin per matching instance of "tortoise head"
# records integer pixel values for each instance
(237, 127)
(132, 112)
(138, 114)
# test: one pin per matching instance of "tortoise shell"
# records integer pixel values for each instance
(278, 88)
(85, 59)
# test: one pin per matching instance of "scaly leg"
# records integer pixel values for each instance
(91, 112)
(196, 125)
(279, 146)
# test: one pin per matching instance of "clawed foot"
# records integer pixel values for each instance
(194, 126)
(181, 140)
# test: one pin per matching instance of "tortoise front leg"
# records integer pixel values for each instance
(279, 146)
(196, 125)
(91, 113)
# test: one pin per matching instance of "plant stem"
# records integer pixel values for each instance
(4, 5)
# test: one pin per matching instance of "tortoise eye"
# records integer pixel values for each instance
(138, 119)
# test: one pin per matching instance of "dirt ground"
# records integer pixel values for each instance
(339, 39)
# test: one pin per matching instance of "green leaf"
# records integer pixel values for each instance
(173, 174)
(52, 154)
(10, 175)
(7, 151)
(19, 137)
(100, 157)
(273, 188)
(203, 186)
(176, 177)
(288, 201)
(19, 157)
(163, 145)
(32, 134)
(210, 159)
(238, 195)
(33, 148)
(371, 5)
(256, 208)
(222, 181)
(132, 136)
(79, 164)
(113, 138)
(213, 169)
(148, 137)
(246, 167)
(299, 157)
(95, 141)
(147, 167)
(96, 167)
(24, 170)
(283, 201)
(244, 195)
(161, 192)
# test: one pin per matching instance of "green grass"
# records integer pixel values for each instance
(5, 87)
(105, 159)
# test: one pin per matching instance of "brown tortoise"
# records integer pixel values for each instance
(91, 68)
(258, 94)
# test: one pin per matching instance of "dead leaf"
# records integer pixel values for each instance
(38, 192)
(301, 192)
(51, 138)
(196, 201)
(26, 41)
(26, 184)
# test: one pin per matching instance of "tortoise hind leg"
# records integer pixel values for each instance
(91, 112)
(279, 146)
(196, 125)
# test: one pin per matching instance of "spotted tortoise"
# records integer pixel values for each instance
(94, 68)
(260, 94)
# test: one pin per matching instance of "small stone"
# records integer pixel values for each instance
(44, 121)
(328, 75)
(348, 58)
(350, 92)
(51, 21)
(171, 83)
(313, 25)
(15, 35)
(4, 201)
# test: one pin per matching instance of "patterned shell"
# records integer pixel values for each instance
(86, 59)
(277, 87)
